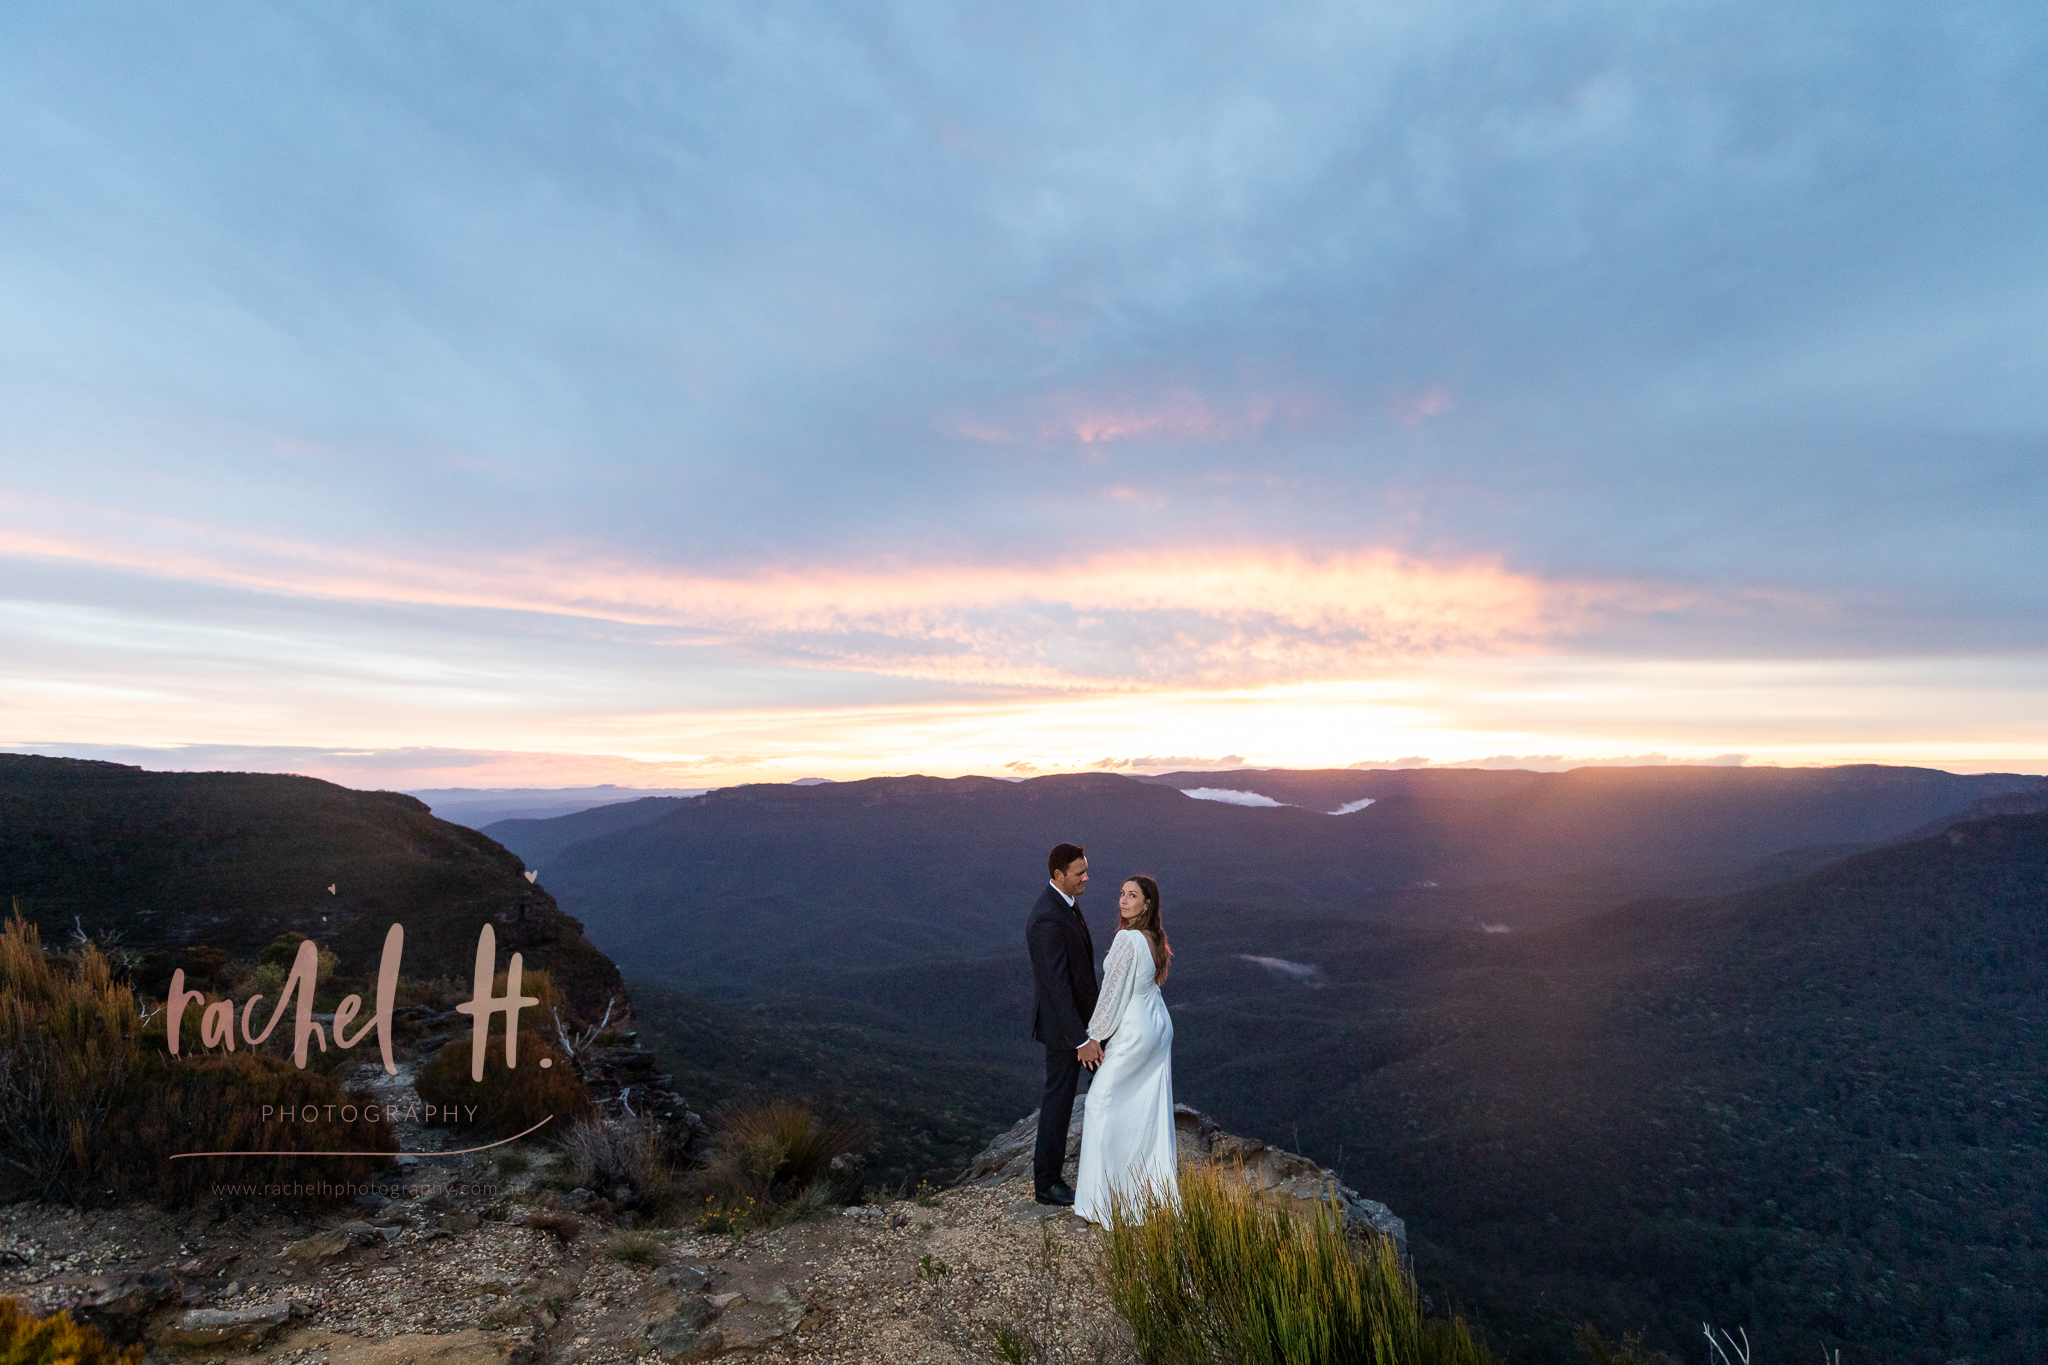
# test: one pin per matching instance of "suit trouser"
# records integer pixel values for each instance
(1055, 1112)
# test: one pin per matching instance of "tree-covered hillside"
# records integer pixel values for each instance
(231, 860)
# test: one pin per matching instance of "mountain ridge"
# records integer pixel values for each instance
(232, 860)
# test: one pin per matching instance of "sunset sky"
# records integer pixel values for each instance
(508, 395)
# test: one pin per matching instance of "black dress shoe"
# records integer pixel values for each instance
(1058, 1194)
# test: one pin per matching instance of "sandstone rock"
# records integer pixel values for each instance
(361, 1234)
(624, 1080)
(467, 1347)
(244, 1328)
(687, 1334)
(1031, 1211)
(1285, 1176)
(690, 1279)
(461, 1222)
(753, 1325)
(320, 1248)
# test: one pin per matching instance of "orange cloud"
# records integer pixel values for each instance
(1227, 617)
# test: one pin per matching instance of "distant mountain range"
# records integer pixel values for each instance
(1709, 1067)
(480, 806)
(767, 887)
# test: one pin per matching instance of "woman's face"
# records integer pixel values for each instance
(1130, 902)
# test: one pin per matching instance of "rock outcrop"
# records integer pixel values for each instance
(625, 1080)
(1284, 1176)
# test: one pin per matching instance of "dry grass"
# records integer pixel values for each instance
(68, 1040)
(507, 1100)
(563, 1227)
(771, 1163)
(604, 1153)
(637, 1248)
(1224, 1275)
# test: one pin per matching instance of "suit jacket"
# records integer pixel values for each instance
(1063, 966)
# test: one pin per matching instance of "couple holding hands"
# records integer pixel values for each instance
(1119, 1030)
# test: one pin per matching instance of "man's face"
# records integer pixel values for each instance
(1074, 880)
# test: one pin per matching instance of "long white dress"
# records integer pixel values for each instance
(1127, 1137)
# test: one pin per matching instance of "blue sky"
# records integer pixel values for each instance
(679, 394)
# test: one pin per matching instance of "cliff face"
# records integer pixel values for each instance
(232, 860)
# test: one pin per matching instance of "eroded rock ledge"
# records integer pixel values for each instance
(1285, 1176)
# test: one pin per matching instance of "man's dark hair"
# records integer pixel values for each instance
(1062, 857)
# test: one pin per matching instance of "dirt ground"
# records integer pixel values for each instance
(468, 1266)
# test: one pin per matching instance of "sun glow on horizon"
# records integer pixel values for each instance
(1525, 712)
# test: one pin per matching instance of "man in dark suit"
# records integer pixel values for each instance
(1063, 966)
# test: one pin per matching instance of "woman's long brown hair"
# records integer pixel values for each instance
(1153, 927)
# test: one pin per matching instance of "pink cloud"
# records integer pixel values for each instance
(1179, 413)
(1210, 617)
(1416, 408)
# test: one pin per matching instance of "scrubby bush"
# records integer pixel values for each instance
(1222, 1274)
(68, 1040)
(541, 987)
(274, 967)
(507, 1100)
(57, 1340)
(772, 1162)
(605, 1154)
(1595, 1348)
(235, 1102)
(280, 951)
(92, 1104)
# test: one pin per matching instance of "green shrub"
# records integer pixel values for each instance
(1225, 1275)
(26, 1340)
(507, 1100)
(770, 1162)
(270, 973)
(281, 950)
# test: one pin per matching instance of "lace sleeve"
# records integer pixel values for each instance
(1119, 974)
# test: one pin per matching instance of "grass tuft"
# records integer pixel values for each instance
(637, 1248)
(563, 1227)
(771, 1163)
(1224, 1275)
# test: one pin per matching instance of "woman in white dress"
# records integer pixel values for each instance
(1127, 1138)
